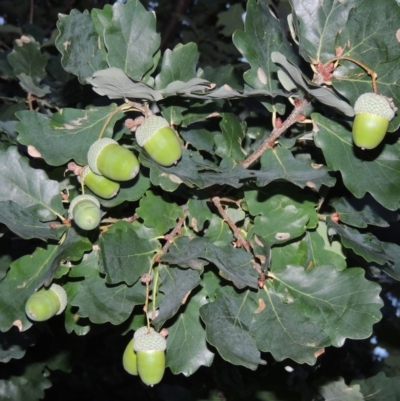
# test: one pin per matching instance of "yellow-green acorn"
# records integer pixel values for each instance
(150, 353)
(45, 303)
(159, 140)
(373, 113)
(85, 211)
(129, 358)
(106, 157)
(98, 184)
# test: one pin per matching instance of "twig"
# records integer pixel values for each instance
(172, 27)
(276, 132)
(236, 231)
(171, 236)
(368, 70)
(32, 6)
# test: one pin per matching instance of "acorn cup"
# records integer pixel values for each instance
(45, 303)
(150, 354)
(98, 184)
(129, 358)
(106, 157)
(84, 210)
(373, 114)
(159, 140)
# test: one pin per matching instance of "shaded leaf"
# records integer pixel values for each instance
(338, 390)
(231, 19)
(124, 255)
(379, 387)
(229, 143)
(29, 86)
(309, 309)
(71, 248)
(13, 344)
(186, 342)
(130, 38)
(26, 58)
(318, 253)
(263, 34)
(198, 213)
(158, 212)
(363, 212)
(73, 322)
(23, 223)
(16, 388)
(68, 134)
(115, 84)
(79, 47)
(28, 187)
(263, 201)
(185, 252)
(228, 322)
(285, 213)
(218, 232)
(317, 24)
(279, 163)
(364, 244)
(236, 264)
(176, 284)
(178, 64)
(362, 171)
(103, 303)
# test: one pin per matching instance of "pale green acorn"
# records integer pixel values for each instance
(159, 140)
(373, 114)
(129, 358)
(106, 157)
(98, 184)
(150, 353)
(84, 210)
(45, 303)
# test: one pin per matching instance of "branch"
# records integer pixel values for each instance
(276, 132)
(236, 231)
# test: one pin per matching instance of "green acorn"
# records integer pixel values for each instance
(45, 303)
(85, 211)
(129, 358)
(150, 353)
(159, 140)
(373, 113)
(106, 157)
(99, 184)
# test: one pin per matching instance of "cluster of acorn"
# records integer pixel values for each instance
(145, 355)
(110, 163)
